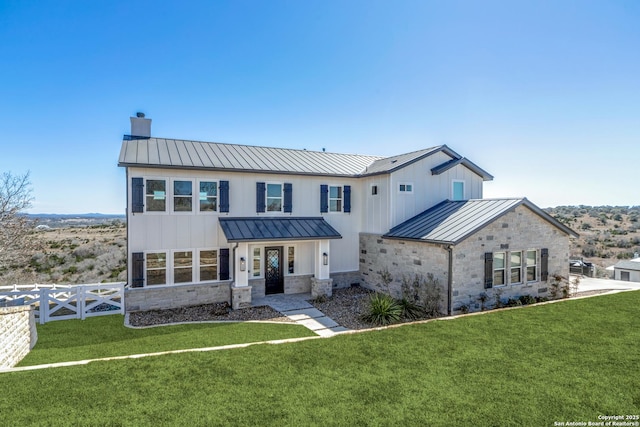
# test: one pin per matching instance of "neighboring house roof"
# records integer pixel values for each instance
(265, 229)
(628, 265)
(453, 221)
(174, 153)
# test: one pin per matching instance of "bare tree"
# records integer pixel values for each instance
(16, 240)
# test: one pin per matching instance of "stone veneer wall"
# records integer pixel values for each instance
(402, 258)
(345, 279)
(518, 230)
(174, 296)
(18, 334)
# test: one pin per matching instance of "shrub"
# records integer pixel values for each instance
(424, 292)
(527, 299)
(383, 310)
(410, 310)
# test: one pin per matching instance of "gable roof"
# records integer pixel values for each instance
(175, 153)
(451, 222)
(628, 265)
(264, 229)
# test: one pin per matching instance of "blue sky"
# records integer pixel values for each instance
(545, 95)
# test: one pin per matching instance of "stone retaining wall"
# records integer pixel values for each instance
(18, 334)
(173, 296)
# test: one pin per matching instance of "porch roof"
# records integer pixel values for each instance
(257, 229)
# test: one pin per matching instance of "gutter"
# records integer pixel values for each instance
(449, 249)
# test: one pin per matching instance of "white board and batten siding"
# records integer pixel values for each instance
(170, 231)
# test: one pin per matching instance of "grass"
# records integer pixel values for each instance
(533, 366)
(105, 336)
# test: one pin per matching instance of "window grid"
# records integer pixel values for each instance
(335, 199)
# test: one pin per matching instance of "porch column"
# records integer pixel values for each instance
(321, 283)
(241, 291)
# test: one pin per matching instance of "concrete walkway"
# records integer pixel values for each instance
(298, 308)
(591, 284)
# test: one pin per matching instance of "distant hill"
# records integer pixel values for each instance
(75, 220)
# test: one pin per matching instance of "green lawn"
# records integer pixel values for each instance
(105, 336)
(570, 361)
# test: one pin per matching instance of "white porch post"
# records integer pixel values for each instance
(321, 283)
(241, 291)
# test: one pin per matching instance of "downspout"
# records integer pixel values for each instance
(233, 263)
(450, 280)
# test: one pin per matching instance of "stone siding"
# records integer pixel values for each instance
(297, 284)
(174, 296)
(402, 259)
(18, 334)
(518, 230)
(345, 279)
(257, 288)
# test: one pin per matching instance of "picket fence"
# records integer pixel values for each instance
(63, 302)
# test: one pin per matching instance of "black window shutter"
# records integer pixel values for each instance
(488, 270)
(544, 264)
(137, 195)
(224, 264)
(347, 198)
(137, 270)
(224, 196)
(324, 198)
(260, 197)
(288, 198)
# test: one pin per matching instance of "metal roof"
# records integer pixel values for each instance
(175, 153)
(276, 228)
(628, 265)
(453, 221)
(486, 176)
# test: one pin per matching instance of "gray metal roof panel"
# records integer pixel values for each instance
(486, 176)
(628, 265)
(276, 228)
(453, 221)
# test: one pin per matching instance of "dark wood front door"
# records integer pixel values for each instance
(274, 282)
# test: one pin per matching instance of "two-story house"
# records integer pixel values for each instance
(211, 222)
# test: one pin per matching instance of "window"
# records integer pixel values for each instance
(516, 267)
(182, 267)
(208, 265)
(274, 197)
(406, 188)
(208, 196)
(374, 190)
(156, 195)
(257, 259)
(291, 252)
(156, 268)
(335, 199)
(182, 192)
(532, 265)
(499, 278)
(457, 190)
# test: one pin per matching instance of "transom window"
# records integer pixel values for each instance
(274, 197)
(156, 195)
(532, 265)
(335, 199)
(156, 268)
(516, 267)
(208, 265)
(182, 267)
(405, 187)
(499, 278)
(208, 196)
(182, 196)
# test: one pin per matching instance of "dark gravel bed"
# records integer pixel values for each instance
(346, 306)
(206, 312)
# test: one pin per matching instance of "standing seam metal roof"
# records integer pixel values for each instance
(277, 228)
(172, 153)
(453, 221)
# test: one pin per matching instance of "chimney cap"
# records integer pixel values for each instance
(140, 115)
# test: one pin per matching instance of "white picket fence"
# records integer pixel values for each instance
(62, 302)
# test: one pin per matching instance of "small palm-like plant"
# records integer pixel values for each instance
(410, 310)
(383, 310)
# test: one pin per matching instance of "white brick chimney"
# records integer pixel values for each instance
(140, 126)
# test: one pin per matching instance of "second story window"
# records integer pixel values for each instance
(335, 199)
(156, 195)
(274, 197)
(208, 196)
(405, 187)
(182, 196)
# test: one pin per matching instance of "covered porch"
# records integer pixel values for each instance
(272, 255)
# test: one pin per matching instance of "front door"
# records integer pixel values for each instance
(274, 283)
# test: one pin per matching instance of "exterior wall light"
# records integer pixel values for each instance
(325, 259)
(243, 264)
